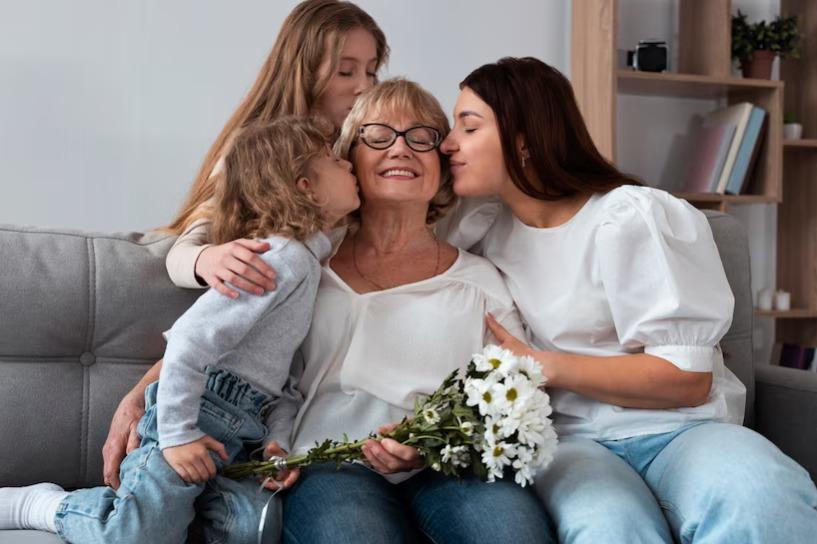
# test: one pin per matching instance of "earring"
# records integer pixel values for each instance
(524, 158)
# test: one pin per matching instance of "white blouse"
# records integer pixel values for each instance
(369, 356)
(635, 270)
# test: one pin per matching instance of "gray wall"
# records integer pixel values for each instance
(107, 107)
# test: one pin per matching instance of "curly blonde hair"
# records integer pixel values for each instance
(256, 195)
(400, 97)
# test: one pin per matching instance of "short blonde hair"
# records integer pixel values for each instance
(401, 97)
(256, 195)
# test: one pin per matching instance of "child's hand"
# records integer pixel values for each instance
(192, 462)
(285, 478)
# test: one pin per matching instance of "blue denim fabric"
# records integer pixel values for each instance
(354, 504)
(705, 483)
(153, 504)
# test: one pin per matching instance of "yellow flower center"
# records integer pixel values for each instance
(498, 450)
(487, 396)
(495, 363)
(511, 394)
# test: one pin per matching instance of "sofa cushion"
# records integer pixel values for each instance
(738, 351)
(81, 317)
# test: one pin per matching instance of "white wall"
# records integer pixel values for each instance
(107, 107)
(648, 125)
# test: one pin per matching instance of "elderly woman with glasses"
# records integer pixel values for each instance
(397, 310)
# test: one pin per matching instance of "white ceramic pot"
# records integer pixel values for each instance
(792, 131)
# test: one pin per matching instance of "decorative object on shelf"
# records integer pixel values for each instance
(794, 356)
(782, 301)
(755, 45)
(765, 298)
(792, 129)
(649, 56)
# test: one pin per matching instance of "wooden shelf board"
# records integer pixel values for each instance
(795, 313)
(687, 85)
(804, 143)
(729, 199)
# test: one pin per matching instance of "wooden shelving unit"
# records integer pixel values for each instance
(797, 214)
(704, 73)
(805, 143)
(794, 313)
(786, 172)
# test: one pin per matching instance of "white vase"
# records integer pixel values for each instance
(792, 131)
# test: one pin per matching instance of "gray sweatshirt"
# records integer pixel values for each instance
(252, 336)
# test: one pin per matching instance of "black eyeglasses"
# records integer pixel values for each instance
(419, 138)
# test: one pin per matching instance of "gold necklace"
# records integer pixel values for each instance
(377, 285)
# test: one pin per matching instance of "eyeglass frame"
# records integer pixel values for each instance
(397, 134)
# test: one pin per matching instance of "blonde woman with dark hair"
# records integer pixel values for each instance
(224, 388)
(327, 53)
(396, 311)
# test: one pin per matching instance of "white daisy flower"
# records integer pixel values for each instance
(456, 455)
(523, 465)
(496, 458)
(479, 393)
(431, 415)
(495, 358)
(467, 428)
(511, 395)
(532, 370)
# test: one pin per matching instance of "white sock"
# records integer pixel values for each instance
(30, 507)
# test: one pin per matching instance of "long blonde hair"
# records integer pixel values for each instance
(398, 97)
(289, 83)
(256, 195)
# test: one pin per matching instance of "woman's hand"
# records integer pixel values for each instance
(285, 479)
(506, 339)
(520, 348)
(238, 263)
(192, 461)
(122, 436)
(389, 456)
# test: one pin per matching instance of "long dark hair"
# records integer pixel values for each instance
(535, 101)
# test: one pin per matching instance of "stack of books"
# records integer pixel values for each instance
(795, 356)
(723, 150)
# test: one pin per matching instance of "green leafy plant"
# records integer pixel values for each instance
(781, 37)
(789, 118)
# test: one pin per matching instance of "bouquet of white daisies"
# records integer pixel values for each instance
(493, 420)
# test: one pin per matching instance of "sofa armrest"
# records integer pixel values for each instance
(786, 412)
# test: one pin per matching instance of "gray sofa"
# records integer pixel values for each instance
(81, 317)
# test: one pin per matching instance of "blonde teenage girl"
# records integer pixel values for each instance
(326, 54)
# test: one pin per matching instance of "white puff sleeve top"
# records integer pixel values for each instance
(635, 270)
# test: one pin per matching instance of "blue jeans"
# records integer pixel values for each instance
(153, 504)
(706, 483)
(354, 504)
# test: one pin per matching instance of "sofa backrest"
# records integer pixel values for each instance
(738, 351)
(81, 317)
(81, 320)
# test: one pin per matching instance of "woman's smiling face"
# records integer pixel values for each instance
(398, 173)
(474, 147)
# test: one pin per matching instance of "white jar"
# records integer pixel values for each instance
(782, 301)
(765, 298)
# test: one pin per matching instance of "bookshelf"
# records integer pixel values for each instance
(797, 214)
(786, 170)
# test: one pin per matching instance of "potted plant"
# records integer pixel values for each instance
(792, 129)
(756, 44)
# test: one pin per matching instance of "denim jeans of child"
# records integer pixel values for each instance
(706, 483)
(153, 504)
(353, 504)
